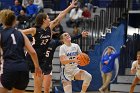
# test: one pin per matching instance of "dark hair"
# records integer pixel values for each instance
(7, 17)
(39, 19)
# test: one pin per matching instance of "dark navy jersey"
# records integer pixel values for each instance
(42, 38)
(12, 43)
(53, 44)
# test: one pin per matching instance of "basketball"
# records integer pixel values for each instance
(84, 59)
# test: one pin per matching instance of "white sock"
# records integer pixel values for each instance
(82, 91)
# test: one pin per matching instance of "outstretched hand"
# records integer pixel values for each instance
(74, 3)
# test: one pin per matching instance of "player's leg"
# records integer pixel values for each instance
(134, 83)
(38, 83)
(3, 90)
(47, 82)
(86, 77)
(67, 86)
(66, 77)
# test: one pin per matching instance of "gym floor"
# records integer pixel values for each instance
(88, 92)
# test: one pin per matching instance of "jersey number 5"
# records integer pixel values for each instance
(47, 53)
(13, 38)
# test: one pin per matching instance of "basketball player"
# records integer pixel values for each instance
(107, 61)
(135, 68)
(53, 44)
(42, 35)
(14, 69)
(70, 71)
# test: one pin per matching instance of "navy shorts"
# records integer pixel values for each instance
(46, 67)
(16, 79)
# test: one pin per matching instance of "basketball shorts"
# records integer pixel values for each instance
(68, 74)
(45, 67)
(16, 79)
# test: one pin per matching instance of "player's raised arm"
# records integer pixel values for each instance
(31, 31)
(63, 14)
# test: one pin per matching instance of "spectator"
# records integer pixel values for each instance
(75, 30)
(23, 20)
(89, 5)
(107, 61)
(86, 13)
(16, 8)
(39, 4)
(25, 3)
(31, 9)
(75, 16)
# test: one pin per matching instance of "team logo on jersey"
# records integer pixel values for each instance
(72, 54)
(44, 36)
(116, 64)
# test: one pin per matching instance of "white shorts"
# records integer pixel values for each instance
(1, 84)
(68, 75)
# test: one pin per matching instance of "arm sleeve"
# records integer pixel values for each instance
(76, 37)
(36, 9)
(116, 55)
(102, 60)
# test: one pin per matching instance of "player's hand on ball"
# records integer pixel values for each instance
(77, 61)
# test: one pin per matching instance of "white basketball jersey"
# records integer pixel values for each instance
(137, 67)
(71, 52)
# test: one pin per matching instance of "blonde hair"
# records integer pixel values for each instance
(61, 37)
(7, 17)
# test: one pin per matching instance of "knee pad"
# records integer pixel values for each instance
(87, 78)
(68, 89)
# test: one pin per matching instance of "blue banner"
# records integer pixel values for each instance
(115, 40)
